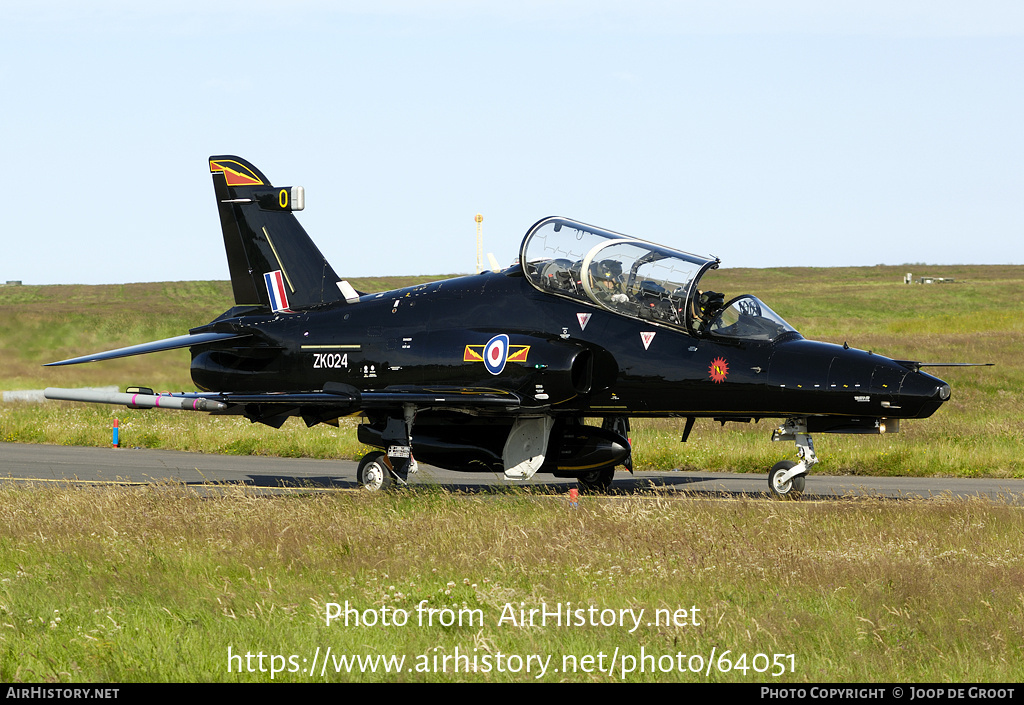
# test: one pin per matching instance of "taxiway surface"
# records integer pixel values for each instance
(25, 463)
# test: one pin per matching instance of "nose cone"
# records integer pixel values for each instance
(921, 394)
(821, 378)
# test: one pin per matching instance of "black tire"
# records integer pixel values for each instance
(596, 481)
(789, 490)
(374, 474)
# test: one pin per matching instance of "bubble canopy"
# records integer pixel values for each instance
(619, 273)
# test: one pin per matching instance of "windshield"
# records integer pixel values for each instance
(619, 273)
(749, 318)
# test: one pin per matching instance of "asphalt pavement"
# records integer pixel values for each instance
(25, 463)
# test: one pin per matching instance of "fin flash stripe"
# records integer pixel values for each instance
(236, 174)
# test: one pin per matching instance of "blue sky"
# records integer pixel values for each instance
(769, 134)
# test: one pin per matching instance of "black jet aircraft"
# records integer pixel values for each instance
(499, 371)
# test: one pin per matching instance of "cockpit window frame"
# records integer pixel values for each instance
(760, 313)
(610, 239)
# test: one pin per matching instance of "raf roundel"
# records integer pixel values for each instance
(495, 354)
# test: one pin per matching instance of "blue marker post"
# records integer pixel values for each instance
(116, 441)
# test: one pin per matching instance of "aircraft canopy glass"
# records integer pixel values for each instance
(616, 272)
(749, 318)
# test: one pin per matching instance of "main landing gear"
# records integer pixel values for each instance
(379, 471)
(596, 481)
(786, 479)
(374, 474)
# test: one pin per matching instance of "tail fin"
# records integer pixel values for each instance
(273, 262)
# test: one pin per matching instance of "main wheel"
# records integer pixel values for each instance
(596, 481)
(374, 474)
(791, 488)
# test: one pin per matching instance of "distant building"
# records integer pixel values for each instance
(908, 278)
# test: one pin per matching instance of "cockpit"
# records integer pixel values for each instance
(639, 279)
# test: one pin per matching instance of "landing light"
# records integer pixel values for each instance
(888, 425)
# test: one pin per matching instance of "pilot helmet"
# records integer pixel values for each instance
(711, 302)
(608, 270)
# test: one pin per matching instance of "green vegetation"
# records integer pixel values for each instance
(978, 319)
(157, 583)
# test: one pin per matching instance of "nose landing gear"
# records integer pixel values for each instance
(786, 479)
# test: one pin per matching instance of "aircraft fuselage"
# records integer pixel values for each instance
(597, 364)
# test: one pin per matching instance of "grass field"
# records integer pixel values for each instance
(978, 319)
(159, 583)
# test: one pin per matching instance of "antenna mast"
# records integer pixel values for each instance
(479, 243)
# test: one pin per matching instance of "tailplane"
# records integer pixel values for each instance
(273, 262)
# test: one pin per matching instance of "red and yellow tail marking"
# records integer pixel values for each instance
(235, 174)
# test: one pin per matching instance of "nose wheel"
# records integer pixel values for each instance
(784, 484)
(786, 479)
